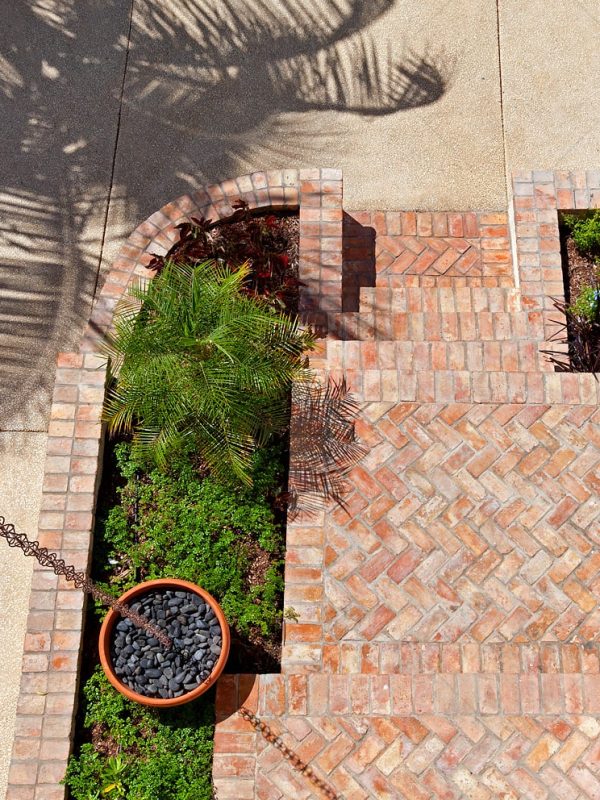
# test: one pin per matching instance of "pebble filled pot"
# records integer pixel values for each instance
(150, 673)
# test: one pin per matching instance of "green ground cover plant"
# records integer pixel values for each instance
(585, 231)
(140, 753)
(178, 522)
(184, 523)
(587, 304)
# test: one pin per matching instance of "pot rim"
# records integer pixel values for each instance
(113, 616)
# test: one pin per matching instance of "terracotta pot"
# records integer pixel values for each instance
(113, 617)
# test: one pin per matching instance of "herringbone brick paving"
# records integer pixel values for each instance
(466, 524)
(448, 634)
(402, 736)
(451, 612)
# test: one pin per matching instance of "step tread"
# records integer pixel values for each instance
(440, 299)
(471, 657)
(392, 325)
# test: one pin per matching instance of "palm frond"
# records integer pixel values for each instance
(195, 357)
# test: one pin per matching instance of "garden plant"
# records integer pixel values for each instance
(579, 324)
(202, 361)
(199, 362)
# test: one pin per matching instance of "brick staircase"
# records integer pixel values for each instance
(448, 634)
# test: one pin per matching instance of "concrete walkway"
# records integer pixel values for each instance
(110, 110)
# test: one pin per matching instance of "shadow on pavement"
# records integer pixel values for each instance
(206, 84)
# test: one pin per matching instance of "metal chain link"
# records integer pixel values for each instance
(80, 579)
(294, 759)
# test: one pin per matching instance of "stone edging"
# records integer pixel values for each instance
(47, 701)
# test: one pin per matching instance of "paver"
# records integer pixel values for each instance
(448, 633)
(446, 642)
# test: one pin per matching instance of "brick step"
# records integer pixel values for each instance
(417, 658)
(444, 693)
(477, 387)
(476, 372)
(439, 299)
(391, 281)
(413, 737)
(418, 326)
(417, 357)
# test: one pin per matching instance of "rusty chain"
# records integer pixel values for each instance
(294, 759)
(80, 579)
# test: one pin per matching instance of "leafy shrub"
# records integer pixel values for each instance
(183, 524)
(199, 362)
(587, 304)
(141, 753)
(585, 231)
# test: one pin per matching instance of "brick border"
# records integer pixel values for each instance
(538, 196)
(50, 668)
(47, 701)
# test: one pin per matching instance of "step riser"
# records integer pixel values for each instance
(447, 386)
(418, 326)
(410, 356)
(441, 300)
(416, 658)
(442, 693)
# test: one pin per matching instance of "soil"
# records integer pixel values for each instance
(262, 652)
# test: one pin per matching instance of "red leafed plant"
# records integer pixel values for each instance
(268, 243)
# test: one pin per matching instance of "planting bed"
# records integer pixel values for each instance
(580, 269)
(180, 522)
(268, 242)
(579, 332)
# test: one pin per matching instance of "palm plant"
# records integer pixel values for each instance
(199, 362)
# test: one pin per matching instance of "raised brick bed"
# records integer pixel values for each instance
(447, 640)
(49, 682)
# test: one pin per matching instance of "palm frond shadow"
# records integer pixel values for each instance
(323, 446)
(353, 77)
(220, 81)
(286, 58)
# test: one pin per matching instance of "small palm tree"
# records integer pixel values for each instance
(198, 361)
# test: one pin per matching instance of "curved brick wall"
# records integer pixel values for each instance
(276, 189)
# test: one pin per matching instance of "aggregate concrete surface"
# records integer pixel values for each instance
(22, 459)
(110, 109)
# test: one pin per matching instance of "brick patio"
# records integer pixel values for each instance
(447, 642)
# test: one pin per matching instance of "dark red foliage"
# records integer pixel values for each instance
(268, 243)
